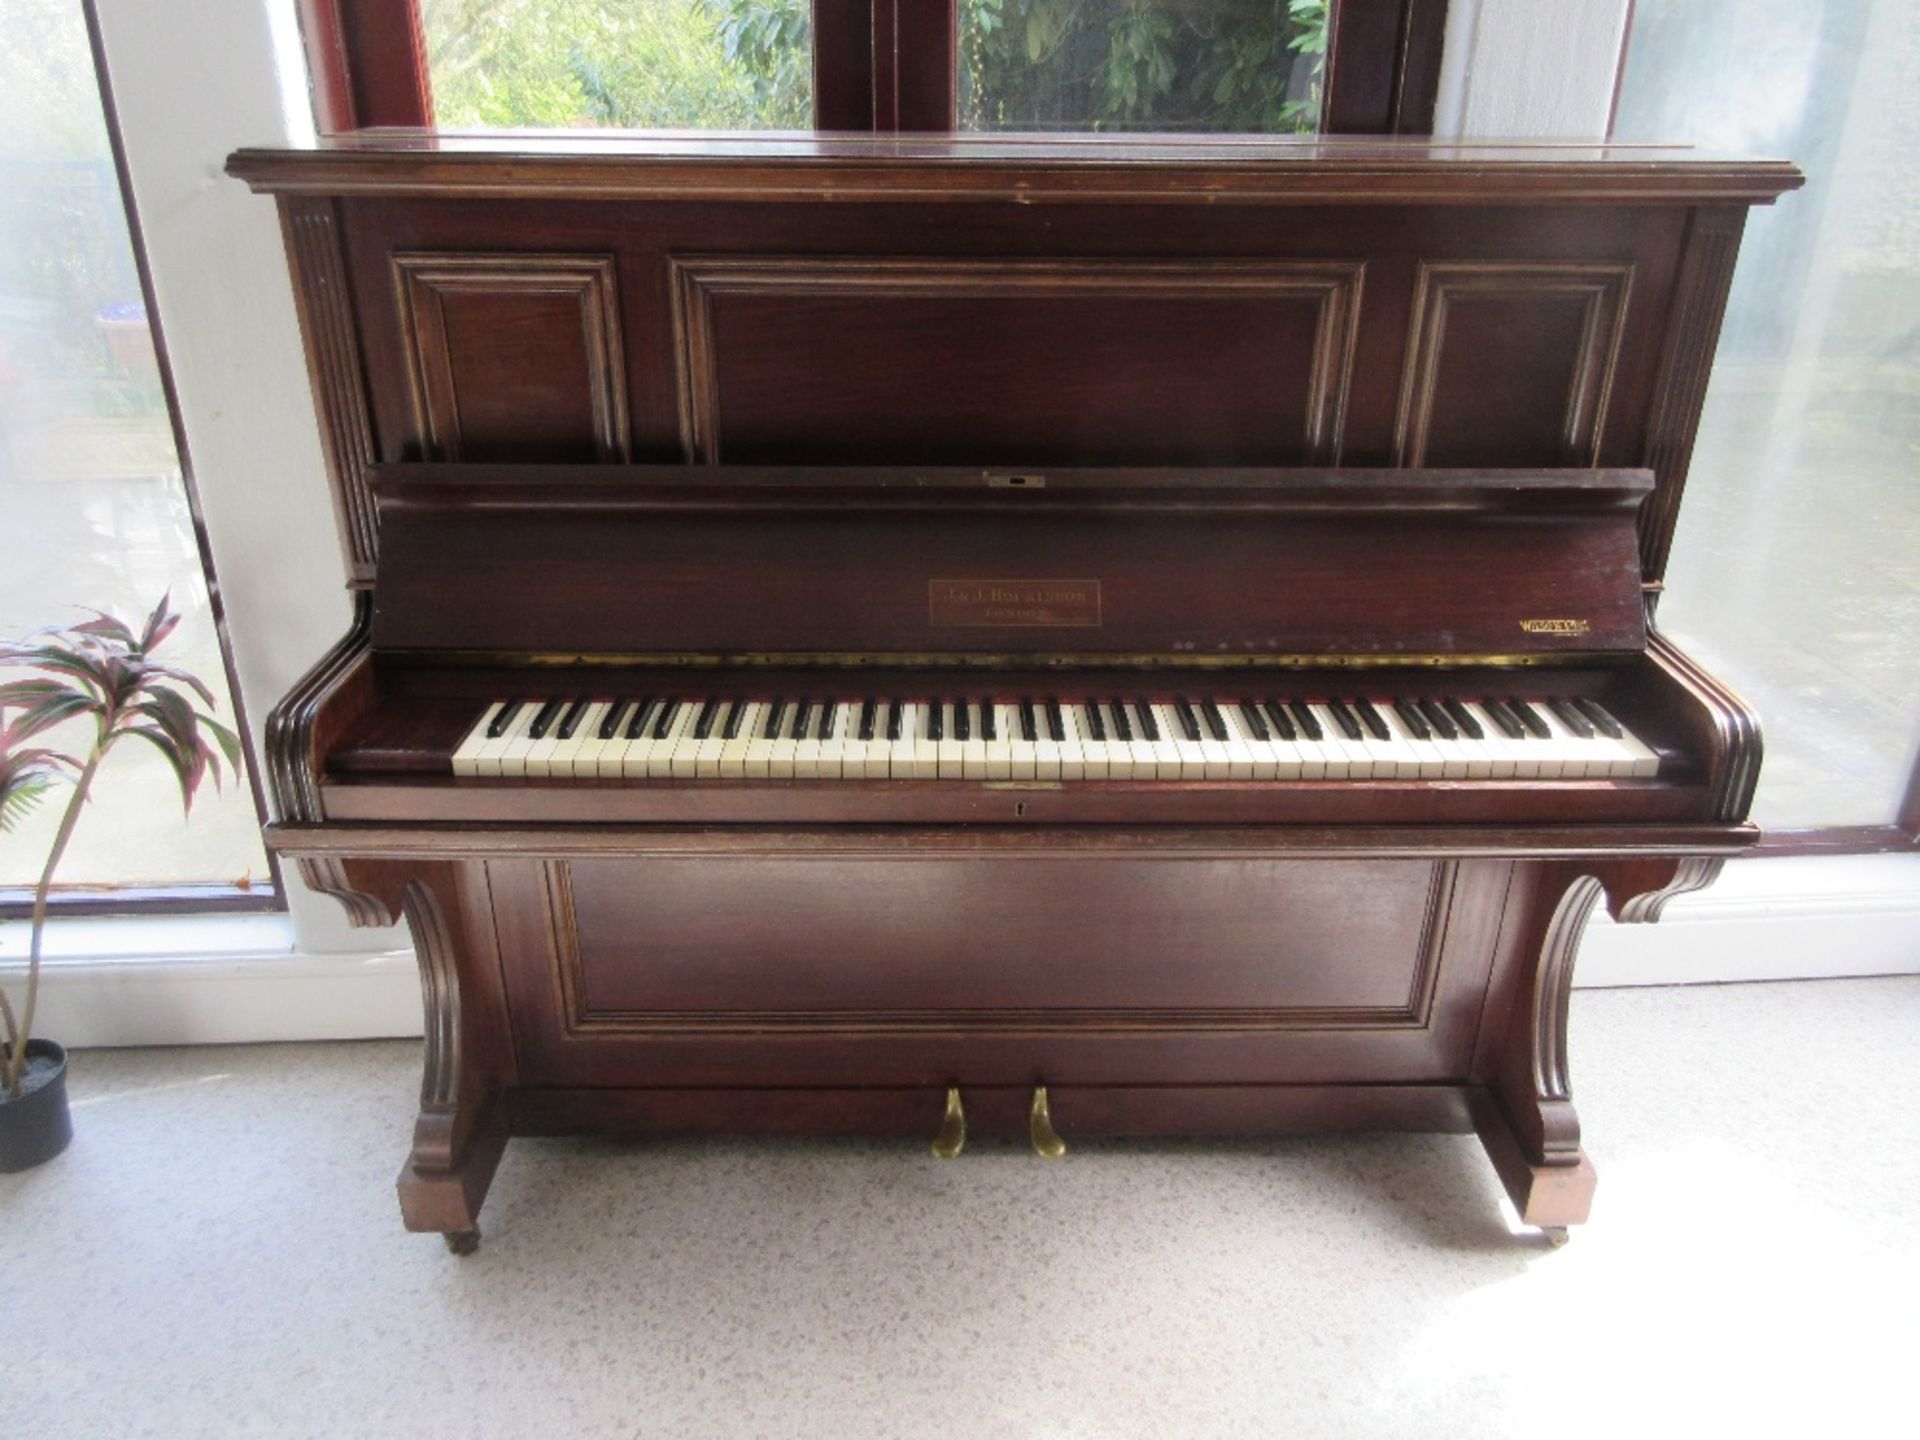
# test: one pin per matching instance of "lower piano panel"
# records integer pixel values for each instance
(829, 974)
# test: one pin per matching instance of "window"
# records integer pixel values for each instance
(638, 64)
(1240, 66)
(96, 506)
(1248, 66)
(1796, 567)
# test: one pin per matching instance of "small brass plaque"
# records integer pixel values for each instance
(995, 604)
(1555, 627)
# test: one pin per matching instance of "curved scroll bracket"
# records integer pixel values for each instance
(1525, 1116)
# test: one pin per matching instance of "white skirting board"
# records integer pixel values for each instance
(225, 981)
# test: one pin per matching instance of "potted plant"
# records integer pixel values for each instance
(102, 671)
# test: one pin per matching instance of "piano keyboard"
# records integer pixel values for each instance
(1443, 738)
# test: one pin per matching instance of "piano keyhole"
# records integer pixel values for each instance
(1020, 810)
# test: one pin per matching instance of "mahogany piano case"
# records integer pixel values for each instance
(929, 637)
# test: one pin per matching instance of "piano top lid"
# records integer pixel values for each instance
(1084, 169)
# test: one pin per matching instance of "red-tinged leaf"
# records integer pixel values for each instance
(176, 716)
(159, 624)
(52, 711)
(194, 681)
(27, 692)
(180, 768)
(105, 626)
(228, 741)
(61, 660)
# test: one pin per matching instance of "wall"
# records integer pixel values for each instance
(1532, 69)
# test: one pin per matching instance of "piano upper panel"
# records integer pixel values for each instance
(1009, 302)
(1181, 564)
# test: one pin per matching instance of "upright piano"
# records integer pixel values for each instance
(1065, 637)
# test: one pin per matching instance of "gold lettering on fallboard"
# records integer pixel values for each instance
(1555, 627)
(994, 604)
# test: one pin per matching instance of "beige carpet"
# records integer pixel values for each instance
(219, 1254)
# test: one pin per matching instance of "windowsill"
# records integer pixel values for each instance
(152, 938)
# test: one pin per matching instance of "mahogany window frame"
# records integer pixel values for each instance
(879, 66)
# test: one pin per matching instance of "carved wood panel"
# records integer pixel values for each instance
(1510, 363)
(1089, 361)
(514, 356)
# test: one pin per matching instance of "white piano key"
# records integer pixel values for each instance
(487, 761)
(1021, 750)
(1189, 757)
(576, 757)
(1216, 762)
(512, 757)
(949, 751)
(732, 763)
(922, 751)
(1503, 755)
(467, 754)
(1241, 764)
(1586, 758)
(844, 756)
(1262, 759)
(756, 761)
(660, 753)
(880, 749)
(1006, 726)
(1046, 750)
(1352, 758)
(974, 760)
(1073, 754)
(538, 760)
(1421, 760)
(613, 759)
(806, 753)
(785, 748)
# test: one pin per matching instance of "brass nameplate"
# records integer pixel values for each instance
(1555, 627)
(994, 604)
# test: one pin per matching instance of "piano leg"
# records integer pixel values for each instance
(1524, 1112)
(461, 1129)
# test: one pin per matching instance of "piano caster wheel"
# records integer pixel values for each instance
(1047, 1143)
(462, 1242)
(952, 1138)
(1556, 1236)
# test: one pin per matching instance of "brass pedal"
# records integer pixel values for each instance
(1047, 1143)
(952, 1138)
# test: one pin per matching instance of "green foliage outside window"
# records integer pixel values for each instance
(1200, 65)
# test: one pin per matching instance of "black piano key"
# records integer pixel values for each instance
(1256, 727)
(570, 721)
(802, 714)
(664, 717)
(1375, 722)
(497, 726)
(730, 727)
(611, 721)
(1348, 722)
(988, 723)
(1281, 721)
(1149, 727)
(1508, 722)
(1096, 727)
(1189, 722)
(1216, 722)
(775, 710)
(1463, 717)
(1056, 723)
(1309, 722)
(1438, 718)
(1571, 717)
(1122, 726)
(1411, 717)
(543, 720)
(866, 718)
(893, 719)
(1029, 730)
(962, 721)
(937, 720)
(1529, 717)
(1602, 721)
(829, 714)
(703, 722)
(638, 718)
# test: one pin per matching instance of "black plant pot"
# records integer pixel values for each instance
(35, 1125)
